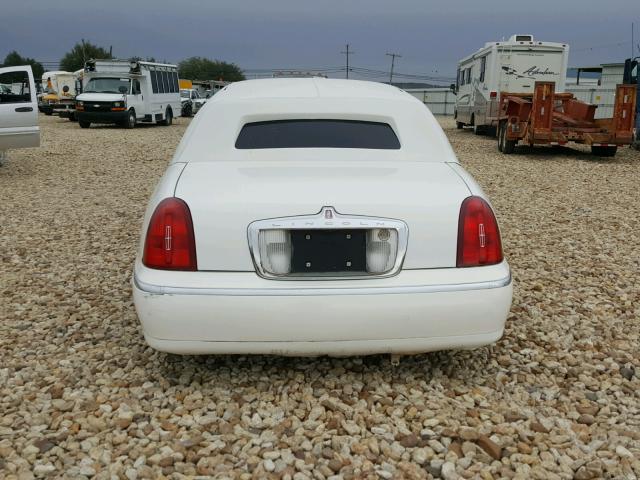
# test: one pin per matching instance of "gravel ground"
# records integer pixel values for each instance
(82, 396)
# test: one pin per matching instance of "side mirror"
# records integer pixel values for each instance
(453, 88)
(122, 89)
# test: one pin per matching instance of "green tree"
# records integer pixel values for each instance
(199, 68)
(81, 52)
(14, 59)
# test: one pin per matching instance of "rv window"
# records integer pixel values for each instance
(169, 82)
(160, 82)
(483, 66)
(165, 84)
(458, 78)
(468, 79)
(176, 84)
(154, 81)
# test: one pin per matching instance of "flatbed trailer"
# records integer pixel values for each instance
(545, 117)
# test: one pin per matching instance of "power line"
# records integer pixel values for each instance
(347, 53)
(596, 47)
(393, 61)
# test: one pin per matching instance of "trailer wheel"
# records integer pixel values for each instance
(505, 146)
(130, 122)
(509, 145)
(84, 124)
(601, 151)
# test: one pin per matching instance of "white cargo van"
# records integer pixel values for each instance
(511, 66)
(127, 93)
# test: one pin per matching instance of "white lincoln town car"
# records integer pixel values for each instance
(315, 216)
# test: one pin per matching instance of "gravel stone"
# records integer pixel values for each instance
(81, 395)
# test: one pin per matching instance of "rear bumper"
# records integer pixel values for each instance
(415, 311)
(102, 117)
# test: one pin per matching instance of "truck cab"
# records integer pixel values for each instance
(18, 109)
(191, 95)
(127, 93)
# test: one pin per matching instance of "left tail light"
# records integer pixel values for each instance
(170, 243)
(479, 240)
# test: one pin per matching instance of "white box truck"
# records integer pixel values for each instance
(127, 93)
(511, 66)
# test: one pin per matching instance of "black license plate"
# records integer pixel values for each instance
(328, 251)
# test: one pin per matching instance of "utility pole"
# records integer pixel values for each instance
(393, 61)
(347, 53)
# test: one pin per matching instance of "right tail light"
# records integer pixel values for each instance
(478, 234)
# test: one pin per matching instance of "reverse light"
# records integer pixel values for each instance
(382, 248)
(275, 251)
(170, 242)
(478, 234)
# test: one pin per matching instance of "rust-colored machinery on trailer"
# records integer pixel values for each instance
(548, 118)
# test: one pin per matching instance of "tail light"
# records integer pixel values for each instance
(382, 248)
(275, 251)
(478, 235)
(170, 242)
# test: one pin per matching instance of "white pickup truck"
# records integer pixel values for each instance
(191, 101)
(18, 109)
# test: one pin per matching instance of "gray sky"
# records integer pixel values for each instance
(262, 34)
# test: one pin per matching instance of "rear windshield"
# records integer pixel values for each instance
(317, 134)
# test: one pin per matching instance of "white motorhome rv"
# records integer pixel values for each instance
(511, 66)
(59, 92)
(126, 93)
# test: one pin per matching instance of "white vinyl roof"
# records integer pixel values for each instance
(213, 132)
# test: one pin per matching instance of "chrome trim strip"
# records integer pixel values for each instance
(327, 218)
(319, 291)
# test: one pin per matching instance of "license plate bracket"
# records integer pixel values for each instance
(328, 251)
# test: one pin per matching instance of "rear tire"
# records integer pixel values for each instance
(131, 120)
(601, 151)
(168, 118)
(500, 135)
(84, 124)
